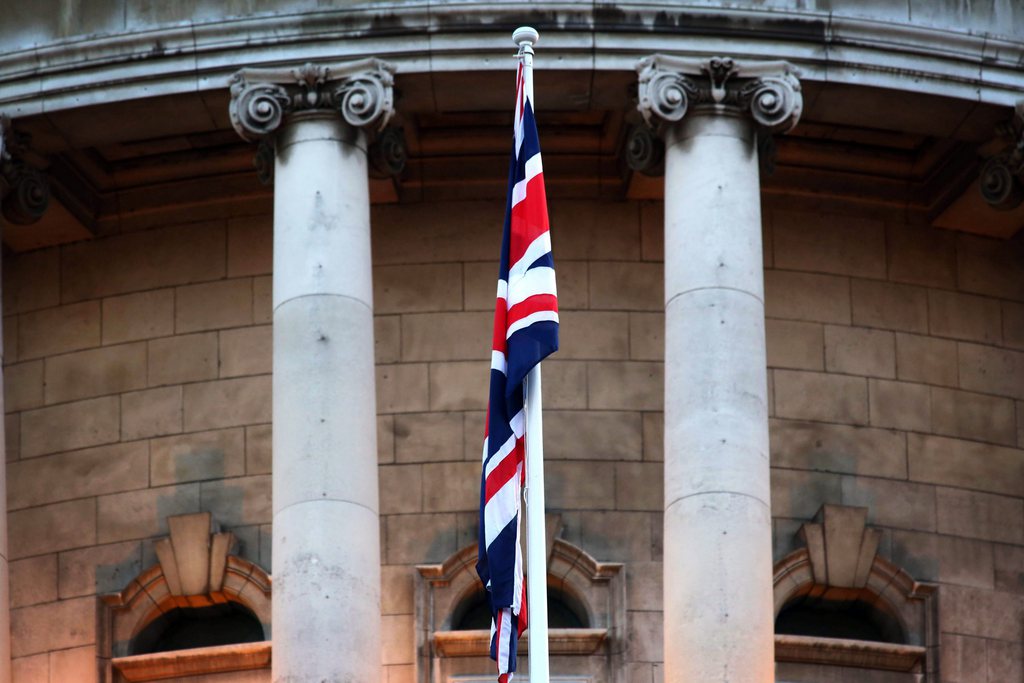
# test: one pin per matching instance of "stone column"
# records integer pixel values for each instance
(717, 559)
(24, 194)
(326, 537)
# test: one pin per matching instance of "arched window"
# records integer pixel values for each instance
(185, 628)
(838, 604)
(474, 613)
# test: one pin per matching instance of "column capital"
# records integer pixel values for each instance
(24, 190)
(361, 91)
(1002, 176)
(671, 86)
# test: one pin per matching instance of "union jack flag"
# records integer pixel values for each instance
(525, 332)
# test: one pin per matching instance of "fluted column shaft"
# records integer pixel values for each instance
(718, 623)
(326, 538)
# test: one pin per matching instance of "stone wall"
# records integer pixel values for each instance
(138, 387)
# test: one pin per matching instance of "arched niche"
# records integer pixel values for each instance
(196, 572)
(839, 567)
(594, 589)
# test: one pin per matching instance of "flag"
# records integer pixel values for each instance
(525, 332)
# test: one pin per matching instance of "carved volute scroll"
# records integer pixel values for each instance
(670, 87)
(362, 91)
(24, 190)
(1002, 176)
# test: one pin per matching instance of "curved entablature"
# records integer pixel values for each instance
(53, 72)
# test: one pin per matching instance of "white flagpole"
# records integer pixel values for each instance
(536, 543)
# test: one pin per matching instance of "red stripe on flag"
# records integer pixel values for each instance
(501, 474)
(533, 304)
(529, 219)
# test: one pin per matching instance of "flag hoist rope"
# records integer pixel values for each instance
(536, 544)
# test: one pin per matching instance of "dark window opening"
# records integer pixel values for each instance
(185, 628)
(474, 613)
(855, 620)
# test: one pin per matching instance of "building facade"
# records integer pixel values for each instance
(248, 280)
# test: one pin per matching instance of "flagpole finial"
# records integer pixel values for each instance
(525, 37)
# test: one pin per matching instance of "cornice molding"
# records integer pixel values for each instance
(199, 57)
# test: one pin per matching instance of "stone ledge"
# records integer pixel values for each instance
(561, 641)
(841, 652)
(202, 660)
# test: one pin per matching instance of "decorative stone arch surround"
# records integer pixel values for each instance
(596, 588)
(840, 563)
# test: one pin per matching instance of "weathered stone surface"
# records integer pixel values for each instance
(23, 386)
(246, 351)
(981, 612)
(213, 305)
(954, 462)
(990, 266)
(860, 351)
(644, 633)
(617, 536)
(796, 345)
(387, 338)
(415, 539)
(31, 281)
(639, 486)
(401, 489)
(99, 570)
(926, 359)
(446, 336)
(962, 316)
(196, 457)
(94, 471)
(849, 245)
(96, 372)
(138, 316)
(990, 370)
(58, 330)
(652, 231)
(974, 416)
(397, 590)
(564, 384)
(451, 487)
(449, 232)
(921, 256)
(891, 503)
(592, 435)
(31, 669)
(593, 335)
(52, 528)
(838, 448)
(807, 296)
(402, 388)
(1005, 660)
(397, 639)
(258, 449)
(943, 559)
(595, 230)
(1008, 561)
(900, 405)
(644, 586)
(979, 515)
(428, 437)
(146, 260)
(654, 436)
(141, 514)
(628, 385)
(647, 336)
(10, 337)
(797, 494)
(70, 426)
(963, 658)
(227, 403)
(579, 485)
(817, 396)
(418, 288)
(459, 386)
(53, 626)
(77, 664)
(385, 438)
(33, 580)
(153, 412)
(889, 306)
(627, 286)
(262, 300)
(238, 501)
(250, 245)
(184, 358)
